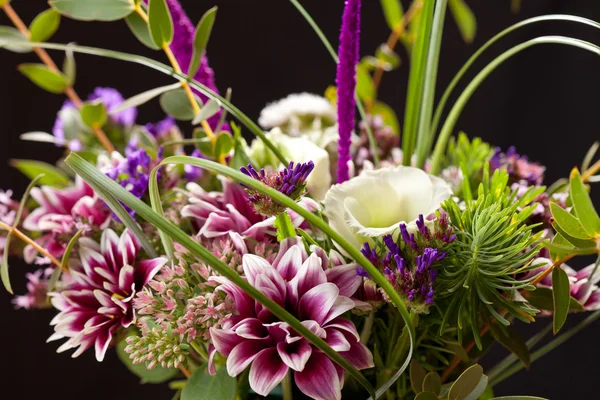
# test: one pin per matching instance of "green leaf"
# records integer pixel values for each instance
(510, 339)
(479, 389)
(582, 203)
(144, 97)
(466, 383)
(387, 57)
(589, 156)
(223, 144)
(140, 29)
(64, 263)
(240, 158)
(426, 396)
(543, 298)
(33, 168)
(465, 19)
(285, 227)
(69, 67)
(210, 109)
(44, 25)
(392, 10)
(44, 77)
(432, 383)
(4, 266)
(107, 188)
(364, 84)
(93, 10)
(201, 38)
(388, 115)
(93, 114)
(417, 376)
(10, 38)
(203, 386)
(568, 223)
(176, 104)
(160, 22)
(561, 298)
(154, 375)
(581, 246)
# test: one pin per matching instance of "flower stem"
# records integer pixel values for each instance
(365, 334)
(184, 370)
(31, 242)
(591, 171)
(199, 349)
(47, 60)
(286, 386)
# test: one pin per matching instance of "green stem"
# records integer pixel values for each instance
(286, 386)
(284, 227)
(199, 349)
(456, 110)
(367, 329)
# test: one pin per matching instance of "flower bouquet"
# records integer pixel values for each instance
(329, 255)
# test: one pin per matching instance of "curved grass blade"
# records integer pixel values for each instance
(4, 267)
(156, 204)
(96, 179)
(460, 103)
(64, 263)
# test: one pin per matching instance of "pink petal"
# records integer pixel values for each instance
(317, 302)
(358, 355)
(216, 225)
(146, 269)
(103, 338)
(291, 261)
(267, 372)
(340, 306)
(310, 274)
(224, 340)
(296, 354)
(284, 246)
(243, 354)
(109, 244)
(250, 328)
(337, 341)
(345, 325)
(345, 278)
(319, 379)
(254, 265)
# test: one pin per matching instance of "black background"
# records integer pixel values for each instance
(544, 102)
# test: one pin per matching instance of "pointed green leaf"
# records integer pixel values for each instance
(44, 25)
(177, 104)
(201, 38)
(41, 75)
(543, 299)
(582, 203)
(210, 108)
(240, 158)
(93, 114)
(140, 29)
(160, 22)
(581, 246)
(364, 84)
(568, 223)
(465, 19)
(466, 383)
(144, 97)
(417, 376)
(203, 386)
(154, 375)
(93, 10)
(589, 156)
(561, 298)
(10, 38)
(432, 383)
(33, 168)
(392, 10)
(510, 339)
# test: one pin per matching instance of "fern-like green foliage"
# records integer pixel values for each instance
(486, 262)
(470, 156)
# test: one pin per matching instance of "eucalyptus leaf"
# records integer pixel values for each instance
(201, 38)
(44, 25)
(44, 77)
(426, 396)
(562, 297)
(144, 97)
(365, 88)
(479, 389)
(582, 203)
(417, 376)
(432, 383)
(466, 383)
(393, 11)
(93, 114)
(568, 223)
(33, 168)
(93, 10)
(10, 38)
(177, 104)
(210, 109)
(203, 386)
(223, 144)
(140, 29)
(465, 19)
(160, 23)
(154, 375)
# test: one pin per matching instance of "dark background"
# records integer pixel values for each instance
(544, 102)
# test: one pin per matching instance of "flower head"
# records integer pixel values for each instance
(98, 301)
(314, 293)
(387, 141)
(290, 181)
(348, 54)
(297, 113)
(518, 167)
(37, 290)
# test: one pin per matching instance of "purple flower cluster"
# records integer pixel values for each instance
(518, 167)
(133, 173)
(409, 263)
(290, 181)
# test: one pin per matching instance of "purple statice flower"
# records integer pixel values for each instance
(541, 213)
(132, 172)
(98, 301)
(348, 54)
(191, 173)
(37, 290)
(518, 167)
(290, 181)
(162, 127)
(318, 296)
(182, 47)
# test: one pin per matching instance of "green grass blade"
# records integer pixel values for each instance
(94, 177)
(156, 203)
(446, 130)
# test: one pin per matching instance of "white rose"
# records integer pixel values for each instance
(374, 203)
(299, 150)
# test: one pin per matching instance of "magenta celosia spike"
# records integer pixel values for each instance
(348, 54)
(182, 47)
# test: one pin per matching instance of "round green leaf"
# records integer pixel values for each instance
(417, 376)
(53, 82)
(44, 25)
(202, 386)
(224, 144)
(426, 396)
(93, 10)
(432, 383)
(154, 375)
(160, 22)
(466, 383)
(210, 108)
(177, 104)
(93, 114)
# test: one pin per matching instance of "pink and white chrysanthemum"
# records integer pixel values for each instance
(99, 299)
(218, 213)
(61, 213)
(315, 294)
